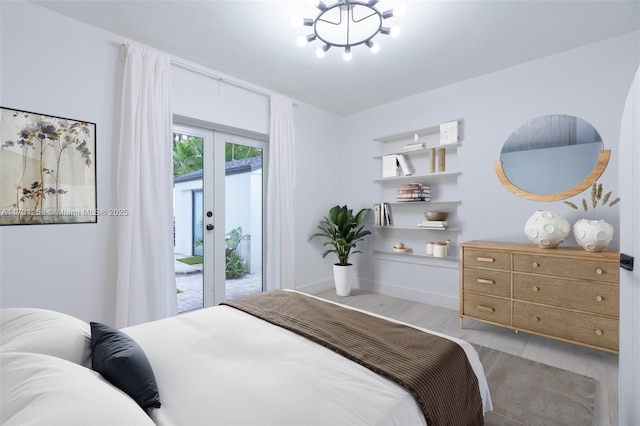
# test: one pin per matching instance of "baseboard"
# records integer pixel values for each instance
(434, 299)
(441, 300)
(317, 287)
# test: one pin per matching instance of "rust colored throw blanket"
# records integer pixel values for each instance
(434, 369)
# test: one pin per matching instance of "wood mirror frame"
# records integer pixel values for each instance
(603, 160)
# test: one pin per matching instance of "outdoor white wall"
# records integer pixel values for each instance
(255, 222)
(589, 82)
(237, 208)
(183, 214)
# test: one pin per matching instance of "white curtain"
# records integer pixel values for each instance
(280, 186)
(145, 287)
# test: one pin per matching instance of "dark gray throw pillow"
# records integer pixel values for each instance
(120, 360)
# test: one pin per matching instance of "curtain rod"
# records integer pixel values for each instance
(221, 79)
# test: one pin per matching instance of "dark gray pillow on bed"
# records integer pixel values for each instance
(120, 360)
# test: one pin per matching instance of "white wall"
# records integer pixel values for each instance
(589, 82)
(57, 66)
(74, 71)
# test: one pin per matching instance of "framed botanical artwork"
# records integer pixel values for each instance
(47, 169)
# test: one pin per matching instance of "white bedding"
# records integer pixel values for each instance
(222, 366)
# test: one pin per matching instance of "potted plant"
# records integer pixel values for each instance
(343, 231)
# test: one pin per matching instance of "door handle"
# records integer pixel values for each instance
(209, 227)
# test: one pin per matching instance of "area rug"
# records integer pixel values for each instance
(526, 392)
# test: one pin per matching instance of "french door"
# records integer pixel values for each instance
(218, 215)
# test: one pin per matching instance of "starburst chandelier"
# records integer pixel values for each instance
(347, 23)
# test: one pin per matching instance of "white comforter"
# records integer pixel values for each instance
(222, 366)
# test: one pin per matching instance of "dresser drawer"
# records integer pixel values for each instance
(575, 326)
(594, 270)
(487, 308)
(581, 295)
(487, 259)
(487, 281)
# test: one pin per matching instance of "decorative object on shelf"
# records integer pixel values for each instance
(441, 161)
(347, 23)
(441, 248)
(594, 235)
(432, 160)
(436, 215)
(400, 248)
(547, 229)
(449, 133)
(413, 192)
(342, 230)
(430, 245)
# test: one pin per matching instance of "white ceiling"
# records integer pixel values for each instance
(441, 42)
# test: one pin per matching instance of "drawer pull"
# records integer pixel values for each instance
(485, 281)
(535, 318)
(535, 264)
(599, 332)
(486, 259)
(599, 271)
(599, 298)
(535, 288)
(485, 308)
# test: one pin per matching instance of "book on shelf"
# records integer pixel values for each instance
(433, 224)
(382, 212)
(413, 146)
(387, 214)
(404, 165)
(413, 192)
(389, 165)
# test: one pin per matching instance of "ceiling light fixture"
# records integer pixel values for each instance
(347, 23)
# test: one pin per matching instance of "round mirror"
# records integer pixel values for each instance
(551, 158)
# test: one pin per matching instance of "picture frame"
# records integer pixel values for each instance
(47, 169)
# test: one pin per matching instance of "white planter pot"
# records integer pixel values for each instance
(592, 235)
(547, 229)
(342, 278)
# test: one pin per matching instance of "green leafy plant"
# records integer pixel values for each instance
(343, 231)
(597, 198)
(235, 265)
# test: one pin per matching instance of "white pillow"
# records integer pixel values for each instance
(43, 390)
(45, 332)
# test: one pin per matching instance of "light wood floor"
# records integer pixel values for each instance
(600, 365)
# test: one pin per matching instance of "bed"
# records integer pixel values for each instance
(223, 365)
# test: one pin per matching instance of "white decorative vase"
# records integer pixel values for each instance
(342, 278)
(547, 229)
(593, 235)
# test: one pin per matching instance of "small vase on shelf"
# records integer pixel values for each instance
(593, 235)
(547, 229)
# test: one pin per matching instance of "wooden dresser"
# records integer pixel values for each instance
(565, 293)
